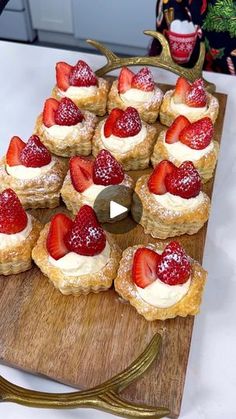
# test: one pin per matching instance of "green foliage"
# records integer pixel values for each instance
(221, 17)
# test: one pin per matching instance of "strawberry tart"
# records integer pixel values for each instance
(80, 84)
(64, 129)
(34, 174)
(87, 178)
(190, 100)
(160, 281)
(137, 90)
(172, 201)
(19, 232)
(127, 138)
(77, 255)
(189, 141)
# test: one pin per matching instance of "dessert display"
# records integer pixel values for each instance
(80, 84)
(127, 138)
(188, 141)
(33, 173)
(87, 178)
(19, 232)
(136, 90)
(64, 129)
(160, 281)
(172, 201)
(190, 100)
(77, 255)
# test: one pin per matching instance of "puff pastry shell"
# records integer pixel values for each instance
(168, 115)
(95, 103)
(79, 142)
(39, 192)
(76, 285)
(188, 305)
(205, 164)
(148, 111)
(161, 222)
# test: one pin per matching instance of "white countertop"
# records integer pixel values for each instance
(27, 76)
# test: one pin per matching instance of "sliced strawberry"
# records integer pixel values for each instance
(143, 80)
(156, 182)
(14, 150)
(86, 236)
(107, 170)
(63, 71)
(196, 97)
(128, 125)
(144, 267)
(184, 181)
(125, 80)
(49, 111)
(68, 113)
(181, 90)
(110, 121)
(81, 172)
(174, 267)
(13, 217)
(35, 154)
(82, 75)
(198, 135)
(172, 134)
(58, 230)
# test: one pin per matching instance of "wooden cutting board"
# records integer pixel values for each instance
(86, 340)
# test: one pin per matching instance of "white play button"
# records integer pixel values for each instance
(116, 209)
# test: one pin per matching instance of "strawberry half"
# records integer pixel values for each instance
(63, 71)
(82, 75)
(181, 90)
(144, 267)
(13, 217)
(198, 135)
(128, 125)
(196, 97)
(107, 170)
(143, 80)
(35, 154)
(81, 172)
(125, 80)
(156, 182)
(58, 230)
(86, 236)
(184, 181)
(49, 111)
(174, 267)
(172, 134)
(68, 113)
(110, 121)
(14, 150)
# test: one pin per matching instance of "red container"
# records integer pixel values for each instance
(181, 45)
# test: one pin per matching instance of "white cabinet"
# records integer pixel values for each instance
(120, 23)
(52, 15)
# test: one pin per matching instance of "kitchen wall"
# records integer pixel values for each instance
(119, 24)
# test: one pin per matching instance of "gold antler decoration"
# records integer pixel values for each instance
(103, 397)
(164, 60)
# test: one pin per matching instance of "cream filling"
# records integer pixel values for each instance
(74, 92)
(136, 96)
(182, 152)
(122, 145)
(61, 131)
(25, 173)
(73, 264)
(90, 194)
(177, 203)
(11, 240)
(161, 295)
(183, 109)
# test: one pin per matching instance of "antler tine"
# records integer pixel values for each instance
(163, 41)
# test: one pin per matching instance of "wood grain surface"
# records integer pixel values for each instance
(85, 340)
